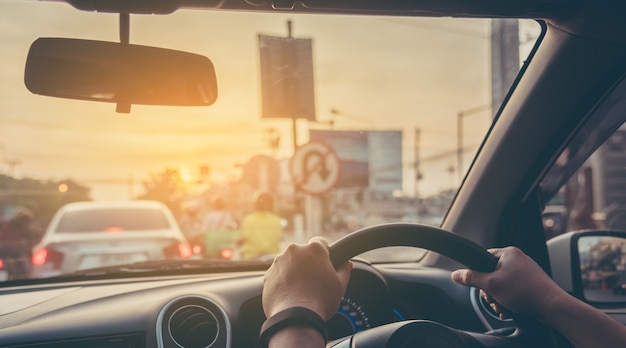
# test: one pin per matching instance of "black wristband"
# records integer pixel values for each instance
(289, 317)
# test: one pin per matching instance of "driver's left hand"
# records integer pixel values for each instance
(303, 276)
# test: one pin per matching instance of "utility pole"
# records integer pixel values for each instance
(294, 120)
(11, 164)
(459, 135)
(416, 151)
(504, 70)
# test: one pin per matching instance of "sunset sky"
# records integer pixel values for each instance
(380, 73)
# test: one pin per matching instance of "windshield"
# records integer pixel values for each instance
(386, 118)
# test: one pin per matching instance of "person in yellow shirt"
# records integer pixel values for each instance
(261, 230)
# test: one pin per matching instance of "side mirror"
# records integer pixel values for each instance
(591, 265)
(124, 74)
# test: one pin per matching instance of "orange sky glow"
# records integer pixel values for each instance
(398, 74)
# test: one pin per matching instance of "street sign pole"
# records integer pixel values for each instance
(314, 169)
(314, 216)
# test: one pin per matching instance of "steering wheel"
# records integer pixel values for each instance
(414, 333)
(432, 238)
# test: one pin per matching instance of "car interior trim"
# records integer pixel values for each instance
(224, 330)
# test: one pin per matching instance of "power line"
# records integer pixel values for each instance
(432, 158)
(438, 27)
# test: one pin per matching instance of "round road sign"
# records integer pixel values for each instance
(314, 167)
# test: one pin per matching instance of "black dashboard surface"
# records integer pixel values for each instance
(156, 312)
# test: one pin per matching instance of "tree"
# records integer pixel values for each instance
(166, 187)
(43, 198)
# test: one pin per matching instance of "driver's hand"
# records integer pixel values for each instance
(517, 284)
(303, 276)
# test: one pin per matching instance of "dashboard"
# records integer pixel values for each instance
(220, 310)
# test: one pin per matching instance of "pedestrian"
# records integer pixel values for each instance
(191, 222)
(261, 230)
(220, 230)
(18, 235)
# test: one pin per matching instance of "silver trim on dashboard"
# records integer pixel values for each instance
(474, 298)
(480, 307)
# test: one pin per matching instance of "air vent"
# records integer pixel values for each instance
(193, 326)
(192, 321)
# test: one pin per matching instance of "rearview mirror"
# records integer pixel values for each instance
(119, 73)
(596, 271)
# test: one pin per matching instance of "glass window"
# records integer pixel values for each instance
(389, 114)
(586, 187)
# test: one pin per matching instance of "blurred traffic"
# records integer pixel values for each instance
(216, 224)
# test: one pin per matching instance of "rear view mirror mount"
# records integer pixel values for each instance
(119, 73)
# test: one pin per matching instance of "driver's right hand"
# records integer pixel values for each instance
(517, 284)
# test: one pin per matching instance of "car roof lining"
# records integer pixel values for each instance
(440, 8)
(599, 22)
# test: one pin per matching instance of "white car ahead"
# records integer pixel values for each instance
(86, 235)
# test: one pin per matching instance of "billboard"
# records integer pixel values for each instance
(368, 159)
(287, 77)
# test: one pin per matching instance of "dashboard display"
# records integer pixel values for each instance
(350, 319)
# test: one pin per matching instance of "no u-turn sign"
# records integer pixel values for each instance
(314, 167)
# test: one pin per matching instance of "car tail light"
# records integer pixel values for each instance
(178, 249)
(113, 229)
(47, 256)
(1, 264)
(226, 253)
(196, 249)
(184, 250)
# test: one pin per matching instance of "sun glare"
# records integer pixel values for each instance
(185, 176)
